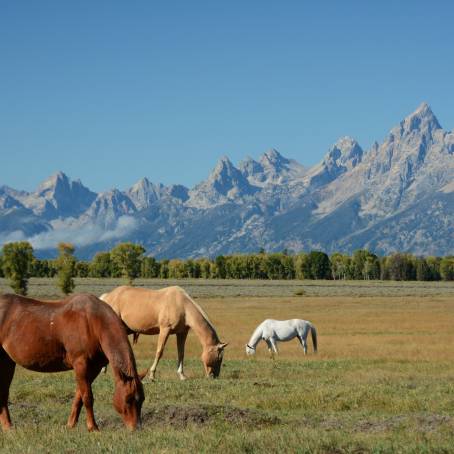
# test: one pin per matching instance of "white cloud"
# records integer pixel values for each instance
(79, 235)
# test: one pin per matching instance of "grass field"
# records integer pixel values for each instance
(383, 380)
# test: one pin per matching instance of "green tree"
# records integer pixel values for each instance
(17, 265)
(423, 272)
(150, 268)
(434, 266)
(101, 265)
(164, 269)
(220, 267)
(66, 264)
(205, 268)
(82, 269)
(340, 266)
(300, 266)
(447, 268)
(128, 258)
(365, 265)
(317, 266)
(401, 267)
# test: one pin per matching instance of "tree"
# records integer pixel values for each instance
(317, 266)
(150, 267)
(128, 258)
(434, 266)
(447, 268)
(300, 266)
(220, 267)
(82, 269)
(340, 266)
(101, 265)
(401, 267)
(66, 264)
(423, 272)
(164, 269)
(17, 264)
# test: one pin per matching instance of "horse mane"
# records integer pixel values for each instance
(201, 311)
(124, 364)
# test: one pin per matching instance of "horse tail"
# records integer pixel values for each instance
(135, 338)
(314, 337)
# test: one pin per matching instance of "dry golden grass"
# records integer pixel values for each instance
(403, 329)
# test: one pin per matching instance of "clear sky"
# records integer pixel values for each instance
(110, 91)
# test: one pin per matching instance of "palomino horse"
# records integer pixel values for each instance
(80, 333)
(167, 311)
(272, 331)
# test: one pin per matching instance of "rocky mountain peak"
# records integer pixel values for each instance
(422, 120)
(272, 158)
(342, 157)
(346, 153)
(56, 182)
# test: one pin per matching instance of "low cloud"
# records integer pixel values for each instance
(79, 235)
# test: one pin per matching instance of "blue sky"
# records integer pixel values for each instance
(111, 91)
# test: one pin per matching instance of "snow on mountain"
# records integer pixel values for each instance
(144, 193)
(271, 169)
(56, 197)
(342, 157)
(225, 183)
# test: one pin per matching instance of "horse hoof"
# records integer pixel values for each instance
(183, 377)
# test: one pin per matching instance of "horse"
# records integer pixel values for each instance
(167, 311)
(80, 333)
(272, 331)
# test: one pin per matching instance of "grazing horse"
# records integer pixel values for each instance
(167, 311)
(80, 333)
(272, 331)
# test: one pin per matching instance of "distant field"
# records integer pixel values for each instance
(383, 380)
(207, 288)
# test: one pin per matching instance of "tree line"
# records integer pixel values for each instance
(128, 260)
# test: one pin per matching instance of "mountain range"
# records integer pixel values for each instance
(396, 196)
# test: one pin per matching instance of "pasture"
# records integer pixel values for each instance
(383, 380)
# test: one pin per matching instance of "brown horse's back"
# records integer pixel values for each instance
(61, 331)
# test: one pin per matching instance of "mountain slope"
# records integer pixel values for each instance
(399, 195)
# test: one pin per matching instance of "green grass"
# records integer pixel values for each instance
(315, 406)
(383, 381)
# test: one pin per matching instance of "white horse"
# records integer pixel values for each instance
(272, 331)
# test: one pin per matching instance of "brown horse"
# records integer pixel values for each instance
(167, 311)
(80, 333)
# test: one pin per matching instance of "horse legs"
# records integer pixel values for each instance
(302, 337)
(75, 409)
(84, 394)
(272, 348)
(162, 339)
(303, 342)
(7, 366)
(181, 340)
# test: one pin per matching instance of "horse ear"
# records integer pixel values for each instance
(222, 345)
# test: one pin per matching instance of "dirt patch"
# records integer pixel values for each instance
(431, 422)
(379, 425)
(181, 417)
(264, 384)
(424, 423)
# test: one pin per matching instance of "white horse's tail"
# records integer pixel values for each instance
(314, 337)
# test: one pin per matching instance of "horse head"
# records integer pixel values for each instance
(212, 359)
(128, 400)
